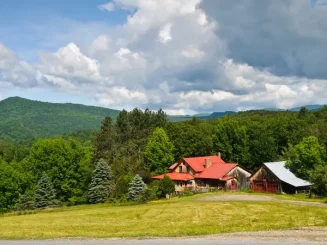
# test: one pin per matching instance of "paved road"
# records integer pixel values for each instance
(194, 241)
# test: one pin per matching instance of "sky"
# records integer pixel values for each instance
(184, 56)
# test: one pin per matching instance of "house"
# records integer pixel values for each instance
(207, 172)
(274, 177)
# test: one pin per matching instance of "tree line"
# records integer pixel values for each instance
(140, 144)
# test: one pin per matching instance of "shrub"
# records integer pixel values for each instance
(122, 185)
(166, 186)
(186, 193)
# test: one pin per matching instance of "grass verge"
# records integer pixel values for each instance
(176, 217)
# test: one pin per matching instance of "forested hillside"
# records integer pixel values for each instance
(143, 143)
(23, 119)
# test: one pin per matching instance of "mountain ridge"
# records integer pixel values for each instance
(25, 119)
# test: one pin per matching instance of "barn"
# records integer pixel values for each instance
(274, 177)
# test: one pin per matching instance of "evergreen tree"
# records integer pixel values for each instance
(44, 196)
(25, 202)
(102, 183)
(159, 152)
(136, 188)
(104, 141)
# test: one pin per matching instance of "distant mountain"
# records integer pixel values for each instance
(309, 107)
(201, 116)
(225, 113)
(23, 119)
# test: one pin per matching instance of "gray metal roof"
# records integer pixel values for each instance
(285, 175)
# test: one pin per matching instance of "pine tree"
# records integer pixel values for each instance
(25, 202)
(102, 183)
(44, 196)
(136, 188)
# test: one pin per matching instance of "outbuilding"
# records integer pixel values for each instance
(274, 177)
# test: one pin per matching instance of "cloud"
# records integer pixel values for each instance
(189, 56)
(107, 7)
(286, 37)
(164, 34)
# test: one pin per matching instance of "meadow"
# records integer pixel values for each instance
(188, 216)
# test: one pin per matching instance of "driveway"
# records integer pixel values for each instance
(258, 198)
(161, 242)
(300, 236)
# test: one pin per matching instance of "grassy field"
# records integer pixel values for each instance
(175, 217)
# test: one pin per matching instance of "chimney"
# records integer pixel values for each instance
(207, 162)
(219, 155)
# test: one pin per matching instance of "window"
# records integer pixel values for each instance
(180, 169)
(187, 169)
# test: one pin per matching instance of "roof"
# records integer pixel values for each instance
(216, 171)
(225, 178)
(175, 176)
(173, 166)
(197, 163)
(285, 175)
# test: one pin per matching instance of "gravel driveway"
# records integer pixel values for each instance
(301, 236)
(259, 198)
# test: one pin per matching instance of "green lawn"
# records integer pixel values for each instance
(176, 217)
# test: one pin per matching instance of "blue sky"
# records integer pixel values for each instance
(185, 56)
(27, 26)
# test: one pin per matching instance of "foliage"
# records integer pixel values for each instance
(318, 177)
(186, 193)
(250, 137)
(136, 188)
(65, 161)
(191, 138)
(45, 195)
(122, 186)
(26, 201)
(166, 186)
(22, 119)
(102, 183)
(303, 157)
(13, 181)
(159, 152)
(231, 139)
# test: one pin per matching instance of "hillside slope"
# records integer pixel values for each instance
(23, 119)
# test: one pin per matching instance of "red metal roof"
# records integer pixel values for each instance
(197, 163)
(175, 176)
(173, 166)
(216, 171)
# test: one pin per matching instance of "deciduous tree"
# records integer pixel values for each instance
(159, 152)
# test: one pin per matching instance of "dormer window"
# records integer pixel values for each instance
(180, 169)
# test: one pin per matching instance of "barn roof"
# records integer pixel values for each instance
(285, 175)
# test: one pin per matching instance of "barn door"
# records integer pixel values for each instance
(233, 185)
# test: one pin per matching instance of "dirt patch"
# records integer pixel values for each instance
(257, 198)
